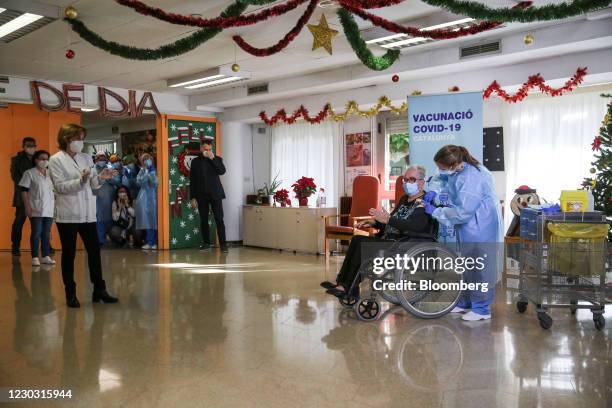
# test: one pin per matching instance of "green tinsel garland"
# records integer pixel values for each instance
(165, 51)
(480, 11)
(351, 30)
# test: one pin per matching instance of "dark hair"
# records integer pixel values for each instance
(27, 139)
(127, 191)
(67, 132)
(452, 155)
(207, 142)
(40, 153)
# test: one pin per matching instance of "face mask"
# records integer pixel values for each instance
(30, 151)
(131, 166)
(42, 164)
(101, 163)
(148, 162)
(411, 188)
(447, 172)
(116, 165)
(76, 146)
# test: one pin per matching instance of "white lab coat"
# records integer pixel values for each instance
(40, 192)
(74, 201)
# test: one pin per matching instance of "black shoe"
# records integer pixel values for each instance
(224, 249)
(204, 247)
(103, 296)
(73, 302)
(52, 250)
(16, 252)
(329, 285)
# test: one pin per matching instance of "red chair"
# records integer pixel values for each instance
(365, 196)
(399, 189)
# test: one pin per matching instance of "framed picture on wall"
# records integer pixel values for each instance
(358, 159)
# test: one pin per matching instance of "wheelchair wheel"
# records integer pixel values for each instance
(367, 309)
(425, 303)
(347, 302)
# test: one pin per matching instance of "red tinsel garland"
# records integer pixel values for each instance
(370, 4)
(439, 34)
(299, 112)
(536, 81)
(533, 82)
(290, 36)
(217, 22)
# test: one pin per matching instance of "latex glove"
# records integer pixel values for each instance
(429, 209)
(429, 196)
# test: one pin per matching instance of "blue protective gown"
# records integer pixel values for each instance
(146, 202)
(128, 179)
(475, 213)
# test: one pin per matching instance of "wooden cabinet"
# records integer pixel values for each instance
(290, 228)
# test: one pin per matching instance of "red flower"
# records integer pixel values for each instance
(304, 187)
(281, 196)
(596, 145)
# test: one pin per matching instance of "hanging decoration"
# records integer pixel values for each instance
(70, 54)
(165, 51)
(367, 58)
(481, 11)
(536, 81)
(529, 39)
(235, 67)
(596, 145)
(352, 108)
(438, 34)
(71, 13)
(322, 35)
(288, 38)
(395, 78)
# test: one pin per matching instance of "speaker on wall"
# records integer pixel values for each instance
(493, 148)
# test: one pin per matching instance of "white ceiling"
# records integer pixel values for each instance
(41, 54)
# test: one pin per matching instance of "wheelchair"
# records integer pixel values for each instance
(425, 302)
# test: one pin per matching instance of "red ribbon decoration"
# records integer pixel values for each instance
(534, 81)
(290, 36)
(217, 22)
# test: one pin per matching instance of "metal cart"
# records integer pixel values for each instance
(561, 272)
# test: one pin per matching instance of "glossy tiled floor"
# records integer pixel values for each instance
(253, 329)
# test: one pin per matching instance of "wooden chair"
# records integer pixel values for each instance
(365, 196)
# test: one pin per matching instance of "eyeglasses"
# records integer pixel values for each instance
(410, 179)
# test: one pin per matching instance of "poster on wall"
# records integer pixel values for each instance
(137, 143)
(438, 120)
(358, 147)
(184, 138)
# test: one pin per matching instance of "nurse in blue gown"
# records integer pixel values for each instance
(146, 203)
(475, 213)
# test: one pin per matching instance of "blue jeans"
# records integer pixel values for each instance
(151, 236)
(103, 228)
(41, 235)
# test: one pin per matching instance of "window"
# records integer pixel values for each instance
(396, 150)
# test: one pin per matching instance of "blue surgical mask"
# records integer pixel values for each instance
(131, 166)
(447, 172)
(410, 188)
(148, 162)
(101, 163)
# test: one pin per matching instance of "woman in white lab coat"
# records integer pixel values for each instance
(74, 176)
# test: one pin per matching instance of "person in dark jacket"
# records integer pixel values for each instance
(20, 163)
(407, 219)
(206, 191)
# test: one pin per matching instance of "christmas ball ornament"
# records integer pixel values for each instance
(235, 67)
(395, 78)
(454, 89)
(593, 170)
(70, 13)
(70, 54)
(529, 39)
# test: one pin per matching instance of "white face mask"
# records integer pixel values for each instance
(43, 164)
(76, 146)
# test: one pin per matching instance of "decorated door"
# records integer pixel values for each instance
(184, 139)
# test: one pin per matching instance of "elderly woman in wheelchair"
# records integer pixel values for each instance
(408, 230)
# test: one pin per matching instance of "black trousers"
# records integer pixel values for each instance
(17, 228)
(68, 237)
(352, 260)
(204, 203)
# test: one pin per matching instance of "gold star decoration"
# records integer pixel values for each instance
(322, 35)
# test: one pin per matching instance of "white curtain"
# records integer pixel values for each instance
(308, 150)
(548, 143)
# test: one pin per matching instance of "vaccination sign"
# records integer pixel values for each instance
(437, 120)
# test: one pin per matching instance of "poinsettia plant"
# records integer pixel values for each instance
(304, 187)
(282, 196)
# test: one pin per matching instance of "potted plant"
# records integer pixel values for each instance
(282, 197)
(304, 188)
(267, 192)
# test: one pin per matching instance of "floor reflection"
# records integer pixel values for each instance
(253, 327)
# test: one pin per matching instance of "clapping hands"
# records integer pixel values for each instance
(380, 214)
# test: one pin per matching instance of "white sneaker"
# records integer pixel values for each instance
(458, 309)
(472, 317)
(35, 262)
(146, 246)
(47, 260)
(154, 247)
